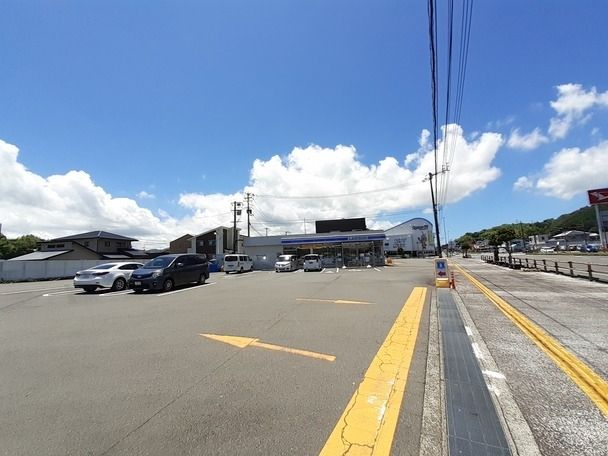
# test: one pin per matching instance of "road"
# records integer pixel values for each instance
(267, 363)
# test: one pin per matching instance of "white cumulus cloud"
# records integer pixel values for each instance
(145, 195)
(572, 107)
(523, 183)
(311, 183)
(527, 141)
(570, 172)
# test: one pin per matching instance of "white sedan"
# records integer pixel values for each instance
(108, 275)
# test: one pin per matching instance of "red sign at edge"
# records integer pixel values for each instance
(598, 196)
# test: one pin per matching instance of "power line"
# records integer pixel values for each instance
(362, 192)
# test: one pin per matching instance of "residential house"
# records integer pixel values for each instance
(93, 245)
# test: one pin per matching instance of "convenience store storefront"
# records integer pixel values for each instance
(341, 249)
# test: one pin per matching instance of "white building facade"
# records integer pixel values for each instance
(414, 238)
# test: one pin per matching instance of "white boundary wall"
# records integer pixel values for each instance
(44, 269)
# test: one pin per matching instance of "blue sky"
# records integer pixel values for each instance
(149, 118)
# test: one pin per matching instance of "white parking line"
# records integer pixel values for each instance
(117, 293)
(31, 291)
(244, 274)
(379, 270)
(60, 293)
(185, 289)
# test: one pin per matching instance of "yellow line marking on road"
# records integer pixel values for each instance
(243, 342)
(334, 301)
(591, 383)
(368, 423)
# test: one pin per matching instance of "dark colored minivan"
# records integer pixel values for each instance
(168, 271)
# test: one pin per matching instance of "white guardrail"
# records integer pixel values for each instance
(593, 272)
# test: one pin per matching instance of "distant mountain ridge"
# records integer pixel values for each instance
(582, 219)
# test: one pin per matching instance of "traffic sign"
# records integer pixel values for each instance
(598, 196)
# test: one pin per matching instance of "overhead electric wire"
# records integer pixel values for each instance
(445, 165)
(431, 10)
(455, 93)
(340, 195)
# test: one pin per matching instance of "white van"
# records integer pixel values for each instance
(237, 263)
(312, 262)
(286, 263)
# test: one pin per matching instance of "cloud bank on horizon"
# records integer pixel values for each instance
(309, 183)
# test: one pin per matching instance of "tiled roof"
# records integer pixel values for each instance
(94, 234)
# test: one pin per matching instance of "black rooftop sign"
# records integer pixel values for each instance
(342, 225)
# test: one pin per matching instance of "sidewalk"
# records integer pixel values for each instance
(541, 407)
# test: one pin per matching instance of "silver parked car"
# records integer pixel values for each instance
(312, 262)
(108, 275)
(286, 263)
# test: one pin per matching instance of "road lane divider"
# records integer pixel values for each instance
(244, 342)
(590, 382)
(369, 421)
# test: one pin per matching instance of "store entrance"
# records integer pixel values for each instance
(362, 254)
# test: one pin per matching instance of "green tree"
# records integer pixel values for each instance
(5, 247)
(10, 248)
(465, 243)
(502, 235)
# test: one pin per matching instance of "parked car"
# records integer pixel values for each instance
(286, 263)
(168, 271)
(108, 275)
(312, 262)
(237, 263)
(589, 248)
(547, 249)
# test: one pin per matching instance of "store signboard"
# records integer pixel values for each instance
(599, 199)
(598, 196)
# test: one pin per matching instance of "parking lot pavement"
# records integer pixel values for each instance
(125, 373)
(563, 417)
(272, 363)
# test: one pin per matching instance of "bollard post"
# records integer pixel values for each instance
(590, 271)
(557, 267)
(545, 265)
(452, 280)
(571, 268)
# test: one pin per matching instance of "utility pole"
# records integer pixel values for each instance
(430, 178)
(236, 208)
(447, 239)
(248, 198)
(266, 232)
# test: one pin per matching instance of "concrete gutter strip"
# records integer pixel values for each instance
(473, 425)
(433, 437)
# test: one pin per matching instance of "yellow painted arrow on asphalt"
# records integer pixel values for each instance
(334, 301)
(244, 342)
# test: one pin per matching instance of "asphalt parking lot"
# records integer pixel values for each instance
(124, 373)
(295, 363)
